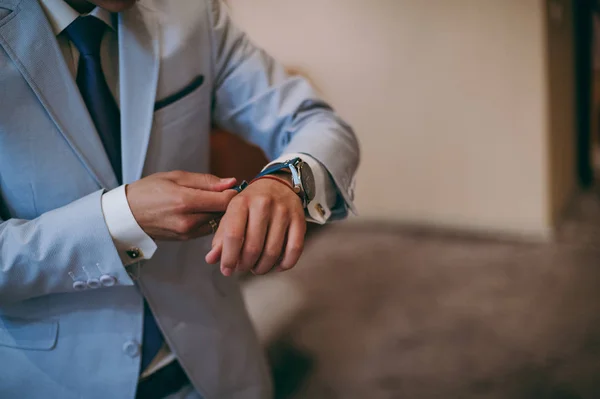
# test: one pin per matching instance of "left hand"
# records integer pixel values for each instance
(263, 227)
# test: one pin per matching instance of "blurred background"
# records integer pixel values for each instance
(472, 270)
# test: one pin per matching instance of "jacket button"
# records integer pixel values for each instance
(93, 283)
(134, 253)
(79, 286)
(131, 348)
(107, 281)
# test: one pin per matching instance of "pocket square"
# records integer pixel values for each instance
(196, 83)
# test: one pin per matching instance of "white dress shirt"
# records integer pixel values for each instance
(124, 229)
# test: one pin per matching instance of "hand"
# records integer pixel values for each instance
(178, 205)
(263, 227)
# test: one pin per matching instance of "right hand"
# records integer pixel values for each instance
(178, 205)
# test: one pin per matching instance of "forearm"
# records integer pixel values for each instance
(65, 250)
(282, 114)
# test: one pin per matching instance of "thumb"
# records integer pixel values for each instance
(205, 181)
(223, 184)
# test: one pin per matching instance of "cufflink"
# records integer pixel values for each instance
(134, 253)
(320, 210)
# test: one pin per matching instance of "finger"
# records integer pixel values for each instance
(214, 255)
(202, 181)
(256, 231)
(234, 230)
(295, 243)
(278, 263)
(200, 201)
(274, 244)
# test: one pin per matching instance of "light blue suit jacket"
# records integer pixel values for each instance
(58, 341)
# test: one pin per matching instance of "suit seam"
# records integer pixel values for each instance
(172, 345)
(213, 63)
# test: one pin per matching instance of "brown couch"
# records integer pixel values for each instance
(233, 157)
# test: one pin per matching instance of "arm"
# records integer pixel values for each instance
(71, 249)
(61, 251)
(257, 99)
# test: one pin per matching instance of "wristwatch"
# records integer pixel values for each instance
(303, 181)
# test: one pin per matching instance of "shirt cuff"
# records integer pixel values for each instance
(318, 210)
(132, 243)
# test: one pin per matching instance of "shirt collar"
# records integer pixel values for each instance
(60, 15)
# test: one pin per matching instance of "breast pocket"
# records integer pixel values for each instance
(28, 334)
(180, 130)
(179, 104)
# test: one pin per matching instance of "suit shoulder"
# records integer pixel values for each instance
(180, 16)
(179, 7)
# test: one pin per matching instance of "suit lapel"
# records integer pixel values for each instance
(27, 38)
(138, 70)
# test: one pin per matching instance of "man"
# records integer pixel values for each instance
(106, 289)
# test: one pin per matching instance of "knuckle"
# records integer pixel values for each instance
(282, 210)
(238, 201)
(231, 236)
(204, 179)
(175, 174)
(228, 264)
(180, 203)
(211, 178)
(253, 251)
(266, 201)
(296, 249)
(183, 226)
(262, 202)
(155, 176)
(271, 255)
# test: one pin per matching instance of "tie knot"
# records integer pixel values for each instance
(86, 34)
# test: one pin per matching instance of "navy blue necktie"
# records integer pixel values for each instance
(86, 34)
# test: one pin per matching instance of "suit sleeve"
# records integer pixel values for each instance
(255, 98)
(65, 250)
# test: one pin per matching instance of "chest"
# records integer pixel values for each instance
(40, 169)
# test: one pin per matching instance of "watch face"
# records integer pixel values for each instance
(308, 181)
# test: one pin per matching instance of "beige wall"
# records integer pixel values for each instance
(449, 99)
